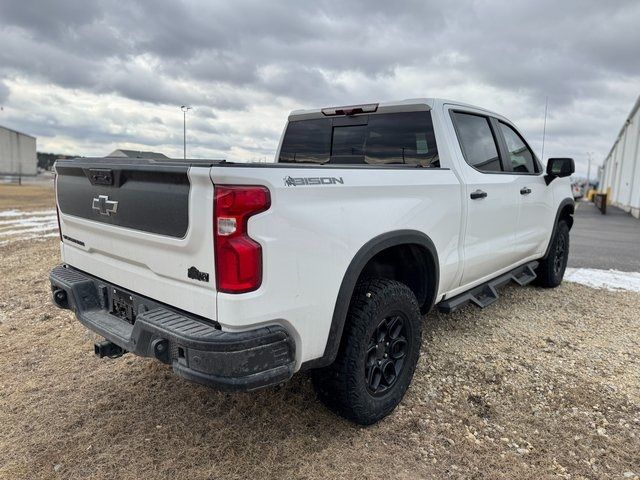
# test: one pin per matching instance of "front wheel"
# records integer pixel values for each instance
(551, 269)
(378, 353)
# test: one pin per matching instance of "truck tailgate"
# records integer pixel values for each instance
(143, 225)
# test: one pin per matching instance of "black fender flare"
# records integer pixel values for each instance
(567, 202)
(355, 268)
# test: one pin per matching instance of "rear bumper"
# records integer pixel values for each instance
(196, 348)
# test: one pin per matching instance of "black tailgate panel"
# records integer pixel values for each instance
(150, 197)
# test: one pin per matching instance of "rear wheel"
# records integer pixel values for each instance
(378, 353)
(551, 269)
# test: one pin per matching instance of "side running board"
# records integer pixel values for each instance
(485, 294)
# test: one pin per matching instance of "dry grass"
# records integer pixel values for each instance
(27, 197)
(542, 384)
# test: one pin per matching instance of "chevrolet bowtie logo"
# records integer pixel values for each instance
(104, 206)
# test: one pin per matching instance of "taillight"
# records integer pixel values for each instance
(55, 189)
(238, 256)
(59, 227)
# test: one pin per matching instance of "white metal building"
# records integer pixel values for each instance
(620, 174)
(17, 153)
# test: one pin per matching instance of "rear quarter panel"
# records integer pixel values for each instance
(312, 232)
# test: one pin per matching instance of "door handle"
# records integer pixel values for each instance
(478, 194)
(525, 191)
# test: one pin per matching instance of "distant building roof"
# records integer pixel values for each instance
(16, 131)
(136, 154)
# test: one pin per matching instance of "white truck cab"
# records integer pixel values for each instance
(238, 275)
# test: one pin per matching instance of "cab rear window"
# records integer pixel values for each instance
(384, 138)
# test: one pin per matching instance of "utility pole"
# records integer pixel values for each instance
(587, 187)
(184, 109)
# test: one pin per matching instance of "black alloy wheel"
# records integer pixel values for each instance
(550, 271)
(386, 354)
(559, 260)
(378, 352)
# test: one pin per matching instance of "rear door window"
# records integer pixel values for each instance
(477, 142)
(385, 138)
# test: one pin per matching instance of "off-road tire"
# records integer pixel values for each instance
(343, 386)
(551, 269)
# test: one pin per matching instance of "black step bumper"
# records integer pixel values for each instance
(196, 348)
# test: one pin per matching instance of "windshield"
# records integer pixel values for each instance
(384, 138)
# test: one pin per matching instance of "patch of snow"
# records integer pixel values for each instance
(10, 213)
(27, 225)
(607, 279)
(35, 229)
(19, 213)
(27, 220)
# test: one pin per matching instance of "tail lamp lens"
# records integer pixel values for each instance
(55, 188)
(238, 256)
(59, 227)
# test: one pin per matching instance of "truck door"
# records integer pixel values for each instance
(491, 196)
(535, 199)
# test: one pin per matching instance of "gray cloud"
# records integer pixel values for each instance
(4, 92)
(238, 56)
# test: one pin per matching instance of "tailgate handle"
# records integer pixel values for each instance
(100, 176)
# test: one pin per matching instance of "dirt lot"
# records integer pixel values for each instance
(27, 197)
(542, 384)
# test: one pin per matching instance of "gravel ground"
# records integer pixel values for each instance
(27, 197)
(544, 383)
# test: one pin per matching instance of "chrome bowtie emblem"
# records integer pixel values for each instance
(104, 206)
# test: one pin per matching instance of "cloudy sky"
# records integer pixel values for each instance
(86, 77)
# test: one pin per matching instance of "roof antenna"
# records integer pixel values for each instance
(544, 126)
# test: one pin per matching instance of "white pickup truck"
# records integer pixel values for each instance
(238, 275)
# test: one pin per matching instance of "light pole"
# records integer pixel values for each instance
(184, 109)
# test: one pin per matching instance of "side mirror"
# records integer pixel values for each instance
(558, 168)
